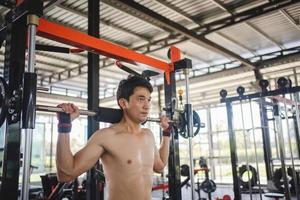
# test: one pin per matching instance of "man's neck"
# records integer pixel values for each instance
(131, 126)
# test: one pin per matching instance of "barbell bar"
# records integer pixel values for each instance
(83, 112)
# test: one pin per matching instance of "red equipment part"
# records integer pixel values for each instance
(86, 42)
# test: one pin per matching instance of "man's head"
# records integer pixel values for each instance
(126, 87)
(134, 98)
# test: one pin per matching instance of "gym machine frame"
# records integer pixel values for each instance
(264, 93)
(14, 74)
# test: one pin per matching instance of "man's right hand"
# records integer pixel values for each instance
(65, 118)
(70, 109)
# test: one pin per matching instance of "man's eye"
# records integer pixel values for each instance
(141, 99)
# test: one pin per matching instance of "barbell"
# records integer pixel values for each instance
(111, 115)
(9, 105)
(86, 112)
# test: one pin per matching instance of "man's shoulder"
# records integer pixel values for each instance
(105, 131)
(147, 131)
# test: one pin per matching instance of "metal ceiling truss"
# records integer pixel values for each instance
(290, 19)
(264, 9)
(154, 18)
(163, 43)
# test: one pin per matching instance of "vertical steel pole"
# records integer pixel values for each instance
(281, 150)
(233, 153)
(189, 111)
(290, 147)
(255, 149)
(266, 138)
(174, 159)
(93, 95)
(246, 149)
(32, 22)
(296, 123)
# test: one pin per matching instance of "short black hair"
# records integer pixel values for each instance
(126, 86)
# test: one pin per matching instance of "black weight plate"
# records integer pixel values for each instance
(208, 186)
(182, 125)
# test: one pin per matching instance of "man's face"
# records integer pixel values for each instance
(139, 104)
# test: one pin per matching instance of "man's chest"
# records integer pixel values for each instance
(130, 151)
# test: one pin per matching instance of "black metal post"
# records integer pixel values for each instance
(233, 153)
(297, 134)
(266, 138)
(174, 162)
(93, 93)
(276, 112)
(13, 72)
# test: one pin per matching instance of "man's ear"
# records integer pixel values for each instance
(123, 103)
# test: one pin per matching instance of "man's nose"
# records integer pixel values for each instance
(147, 104)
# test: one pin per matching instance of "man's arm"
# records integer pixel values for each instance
(162, 155)
(70, 166)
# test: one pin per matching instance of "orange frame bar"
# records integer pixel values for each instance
(83, 41)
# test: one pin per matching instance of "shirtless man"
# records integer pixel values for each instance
(127, 151)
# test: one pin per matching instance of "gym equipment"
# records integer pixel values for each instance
(182, 128)
(185, 170)
(208, 186)
(102, 114)
(29, 99)
(279, 182)
(145, 74)
(253, 180)
(264, 86)
(240, 91)
(225, 197)
(202, 162)
(293, 171)
(276, 196)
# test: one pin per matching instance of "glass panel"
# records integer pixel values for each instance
(219, 119)
(38, 147)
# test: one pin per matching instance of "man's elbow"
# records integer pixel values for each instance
(159, 169)
(62, 177)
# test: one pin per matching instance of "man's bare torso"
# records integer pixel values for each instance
(128, 164)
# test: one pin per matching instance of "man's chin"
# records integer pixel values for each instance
(143, 121)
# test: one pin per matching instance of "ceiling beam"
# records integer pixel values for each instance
(150, 16)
